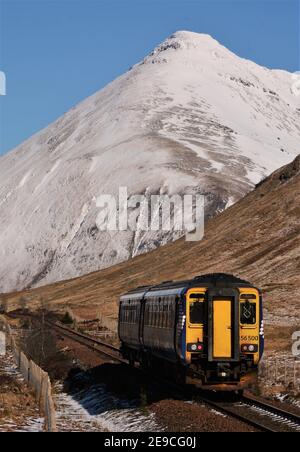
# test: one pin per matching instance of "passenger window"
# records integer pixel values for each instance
(170, 315)
(248, 313)
(147, 315)
(165, 314)
(150, 315)
(154, 315)
(157, 314)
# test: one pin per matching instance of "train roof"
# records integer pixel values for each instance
(210, 280)
(222, 279)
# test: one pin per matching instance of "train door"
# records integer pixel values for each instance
(222, 328)
(223, 324)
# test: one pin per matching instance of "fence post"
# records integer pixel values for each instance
(50, 409)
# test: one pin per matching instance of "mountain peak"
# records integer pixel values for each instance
(191, 119)
(191, 36)
(194, 45)
(190, 39)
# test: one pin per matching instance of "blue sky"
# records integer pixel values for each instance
(56, 53)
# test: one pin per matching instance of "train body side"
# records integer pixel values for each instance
(130, 315)
(149, 323)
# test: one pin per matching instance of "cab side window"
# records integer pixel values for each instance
(248, 313)
(197, 312)
(197, 309)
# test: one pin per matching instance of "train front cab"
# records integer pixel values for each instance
(223, 335)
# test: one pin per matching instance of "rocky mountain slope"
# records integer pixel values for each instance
(191, 118)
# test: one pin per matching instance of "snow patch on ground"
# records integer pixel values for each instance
(97, 410)
(33, 425)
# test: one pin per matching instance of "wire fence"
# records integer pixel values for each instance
(37, 379)
(281, 371)
(108, 323)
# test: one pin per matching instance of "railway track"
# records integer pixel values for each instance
(93, 344)
(256, 413)
(288, 420)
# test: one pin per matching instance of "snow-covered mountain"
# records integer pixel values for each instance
(191, 118)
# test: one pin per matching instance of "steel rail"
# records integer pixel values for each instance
(267, 407)
(232, 413)
(87, 341)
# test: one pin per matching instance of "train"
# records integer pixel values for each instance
(207, 331)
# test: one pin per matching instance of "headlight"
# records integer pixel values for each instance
(195, 347)
(249, 348)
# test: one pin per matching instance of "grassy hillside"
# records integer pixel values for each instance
(257, 239)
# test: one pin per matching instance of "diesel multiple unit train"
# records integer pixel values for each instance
(208, 330)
